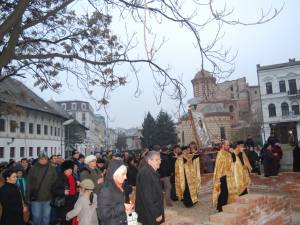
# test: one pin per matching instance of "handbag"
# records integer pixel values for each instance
(132, 218)
(58, 201)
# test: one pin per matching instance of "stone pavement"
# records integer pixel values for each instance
(286, 183)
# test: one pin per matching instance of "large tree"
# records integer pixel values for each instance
(44, 38)
(165, 131)
(148, 131)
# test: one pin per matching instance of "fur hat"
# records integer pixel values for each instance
(89, 159)
(68, 164)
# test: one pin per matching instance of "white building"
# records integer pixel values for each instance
(27, 123)
(84, 113)
(280, 99)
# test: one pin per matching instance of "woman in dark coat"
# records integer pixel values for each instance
(11, 200)
(65, 187)
(296, 158)
(111, 200)
(269, 161)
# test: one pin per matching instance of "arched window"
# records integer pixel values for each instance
(231, 108)
(272, 110)
(285, 109)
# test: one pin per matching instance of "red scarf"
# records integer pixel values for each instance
(119, 185)
(72, 185)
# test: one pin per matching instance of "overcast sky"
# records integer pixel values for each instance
(270, 43)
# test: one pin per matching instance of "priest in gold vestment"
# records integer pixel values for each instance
(224, 182)
(242, 169)
(186, 181)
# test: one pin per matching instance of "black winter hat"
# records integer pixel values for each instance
(74, 152)
(68, 164)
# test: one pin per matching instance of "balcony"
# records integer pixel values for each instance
(293, 93)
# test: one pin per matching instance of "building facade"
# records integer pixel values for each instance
(84, 113)
(225, 109)
(280, 99)
(28, 124)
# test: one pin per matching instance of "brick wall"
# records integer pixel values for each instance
(256, 209)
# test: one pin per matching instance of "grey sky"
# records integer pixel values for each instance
(273, 42)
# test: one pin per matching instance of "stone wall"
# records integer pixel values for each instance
(256, 209)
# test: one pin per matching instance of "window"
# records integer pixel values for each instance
(272, 110)
(285, 109)
(269, 89)
(51, 130)
(38, 129)
(46, 150)
(2, 125)
(231, 88)
(182, 137)
(51, 151)
(55, 131)
(231, 108)
(12, 152)
(222, 133)
(295, 108)
(13, 126)
(45, 129)
(282, 87)
(293, 86)
(30, 151)
(63, 105)
(58, 132)
(83, 117)
(1, 152)
(83, 106)
(22, 152)
(38, 150)
(22, 127)
(73, 106)
(30, 128)
(232, 95)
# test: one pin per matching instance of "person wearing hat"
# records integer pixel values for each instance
(40, 179)
(65, 188)
(90, 171)
(85, 206)
(112, 208)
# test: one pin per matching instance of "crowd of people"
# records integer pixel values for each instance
(113, 189)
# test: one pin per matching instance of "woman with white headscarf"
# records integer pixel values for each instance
(112, 208)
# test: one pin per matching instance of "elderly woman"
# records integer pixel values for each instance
(112, 208)
(11, 200)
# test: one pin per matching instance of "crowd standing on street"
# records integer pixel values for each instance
(112, 188)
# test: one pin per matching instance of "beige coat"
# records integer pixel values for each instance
(86, 213)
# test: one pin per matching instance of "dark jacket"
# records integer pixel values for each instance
(149, 196)
(165, 166)
(34, 178)
(12, 206)
(93, 174)
(111, 209)
(58, 190)
(131, 175)
(296, 159)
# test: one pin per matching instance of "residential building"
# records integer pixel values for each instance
(133, 139)
(83, 112)
(280, 99)
(28, 124)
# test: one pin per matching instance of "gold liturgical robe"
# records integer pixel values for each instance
(196, 163)
(242, 172)
(186, 169)
(224, 167)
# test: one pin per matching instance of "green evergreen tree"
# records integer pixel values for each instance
(165, 133)
(148, 131)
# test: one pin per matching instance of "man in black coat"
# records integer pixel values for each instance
(149, 196)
